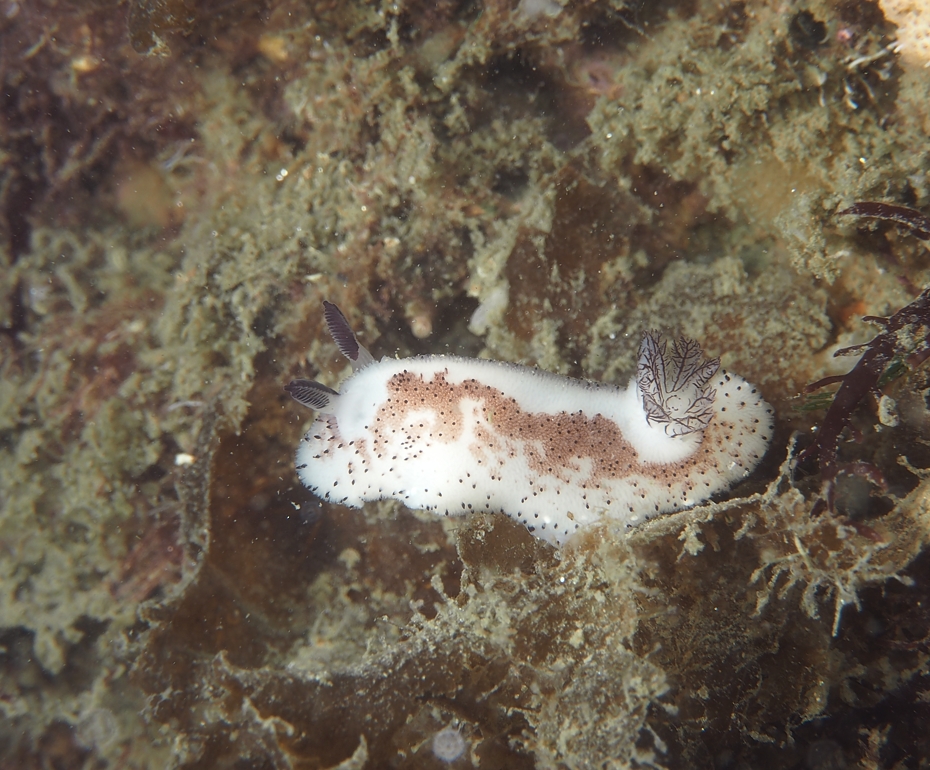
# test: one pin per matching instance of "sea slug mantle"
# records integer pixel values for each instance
(452, 435)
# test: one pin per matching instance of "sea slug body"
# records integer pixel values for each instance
(452, 435)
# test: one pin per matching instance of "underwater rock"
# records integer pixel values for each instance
(581, 176)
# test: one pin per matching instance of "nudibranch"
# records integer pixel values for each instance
(451, 435)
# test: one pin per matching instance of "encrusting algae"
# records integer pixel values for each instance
(556, 178)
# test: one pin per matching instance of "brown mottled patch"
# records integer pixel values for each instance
(551, 444)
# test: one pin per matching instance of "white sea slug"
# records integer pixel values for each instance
(452, 435)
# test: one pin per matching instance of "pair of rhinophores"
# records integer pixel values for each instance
(452, 435)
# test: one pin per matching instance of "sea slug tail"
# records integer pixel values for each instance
(344, 337)
(313, 394)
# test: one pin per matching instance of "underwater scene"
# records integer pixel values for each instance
(689, 516)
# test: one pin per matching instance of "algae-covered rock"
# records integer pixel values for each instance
(181, 186)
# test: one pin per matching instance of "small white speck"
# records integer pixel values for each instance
(448, 744)
(281, 175)
(411, 179)
(182, 459)
(888, 412)
(193, 404)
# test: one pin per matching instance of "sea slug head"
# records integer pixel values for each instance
(674, 384)
(315, 395)
(344, 337)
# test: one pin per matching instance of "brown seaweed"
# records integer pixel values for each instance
(918, 223)
(905, 338)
